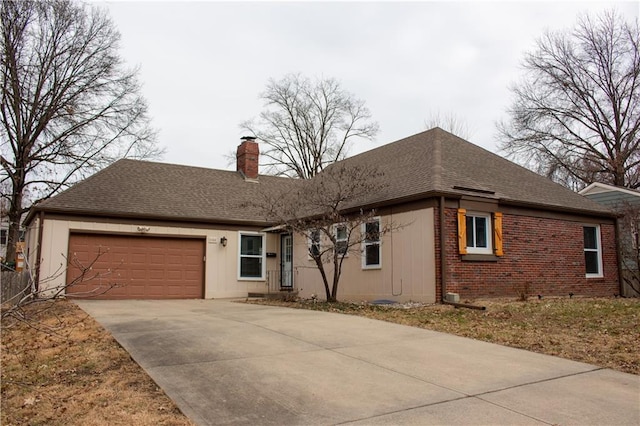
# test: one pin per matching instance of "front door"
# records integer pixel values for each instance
(286, 265)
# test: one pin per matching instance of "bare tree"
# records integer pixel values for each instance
(629, 241)
(449, 122)
(46, 292)
(576, 113)
(68, 107)
(324, 210)
(307, 125)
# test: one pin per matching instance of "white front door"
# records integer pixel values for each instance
(286, 270)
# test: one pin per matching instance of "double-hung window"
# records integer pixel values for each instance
(342, 238)
(478, 233)
(252, 256)
(314, 243)
(592, 251)
(371, 244)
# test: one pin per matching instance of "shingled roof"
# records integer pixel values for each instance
(141, 189)
(436, 162)
(430, 163)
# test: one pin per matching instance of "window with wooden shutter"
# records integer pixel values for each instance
(462, 231)
(480, 233)
(497, 234)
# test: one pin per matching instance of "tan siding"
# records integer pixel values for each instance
(408, 264)
(221, 266)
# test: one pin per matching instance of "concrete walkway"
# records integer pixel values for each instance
(232, 363)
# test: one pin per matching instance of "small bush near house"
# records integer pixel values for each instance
(600, 331)
(61, 368)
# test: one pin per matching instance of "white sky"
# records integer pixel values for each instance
(204, 64)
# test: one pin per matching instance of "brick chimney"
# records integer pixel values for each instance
(247, 157)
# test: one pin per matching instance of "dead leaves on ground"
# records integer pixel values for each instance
(67, 370)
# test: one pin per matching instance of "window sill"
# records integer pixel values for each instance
(371, 267)
(479, 258)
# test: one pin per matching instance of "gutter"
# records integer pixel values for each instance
(443, 253)
(142, 217)
(619, 256)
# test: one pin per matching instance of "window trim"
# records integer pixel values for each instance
(598, 250)
(346, 240)
(311, 242)
(365, 244)
(488, 233)
(262, 256)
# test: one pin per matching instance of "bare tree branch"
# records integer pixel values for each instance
(576, 114)
(307, 125)
(449, 122)
(14, 307)
(323, 211)
(68, 106)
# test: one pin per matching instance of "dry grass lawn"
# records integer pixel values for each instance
(71, 371)
(600, 331)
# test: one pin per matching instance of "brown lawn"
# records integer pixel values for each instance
(62, 368)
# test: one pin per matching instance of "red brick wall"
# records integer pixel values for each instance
(247, 158)
(541, 256)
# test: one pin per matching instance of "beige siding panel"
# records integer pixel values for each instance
(221, 266)
(408, 264)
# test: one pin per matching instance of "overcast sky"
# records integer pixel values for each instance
(204, 64)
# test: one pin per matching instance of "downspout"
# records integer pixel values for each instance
(443, 252)
(619, 255)
(39, 249)
(443, 265)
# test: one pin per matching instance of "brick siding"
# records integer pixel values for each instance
(541, 256)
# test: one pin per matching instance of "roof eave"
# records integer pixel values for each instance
(167, 218)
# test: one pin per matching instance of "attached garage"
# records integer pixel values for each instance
(140, 267)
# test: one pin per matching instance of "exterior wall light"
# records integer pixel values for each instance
(223, 241)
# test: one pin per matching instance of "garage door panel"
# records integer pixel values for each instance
(141, 267)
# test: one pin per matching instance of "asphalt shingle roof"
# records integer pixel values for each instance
(434, 162)
(131, 188)
(438, 162)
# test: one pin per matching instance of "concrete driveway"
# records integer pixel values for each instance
(232, 363)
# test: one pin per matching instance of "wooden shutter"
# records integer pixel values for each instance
(497, 234)
(462, 231)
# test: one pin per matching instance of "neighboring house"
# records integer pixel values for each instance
(472, 223)
(626, 202)
(4, 237)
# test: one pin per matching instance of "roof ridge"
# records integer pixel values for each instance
(437, 164)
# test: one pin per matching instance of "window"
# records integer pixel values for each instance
(476, 235)
(3, 237)
(592, 251)
(252, 261)
(342, 238)
(314, 243)
(371, 244)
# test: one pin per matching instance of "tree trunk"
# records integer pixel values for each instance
(320, 266)
(13, 233)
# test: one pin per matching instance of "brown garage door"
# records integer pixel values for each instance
(139, 267)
